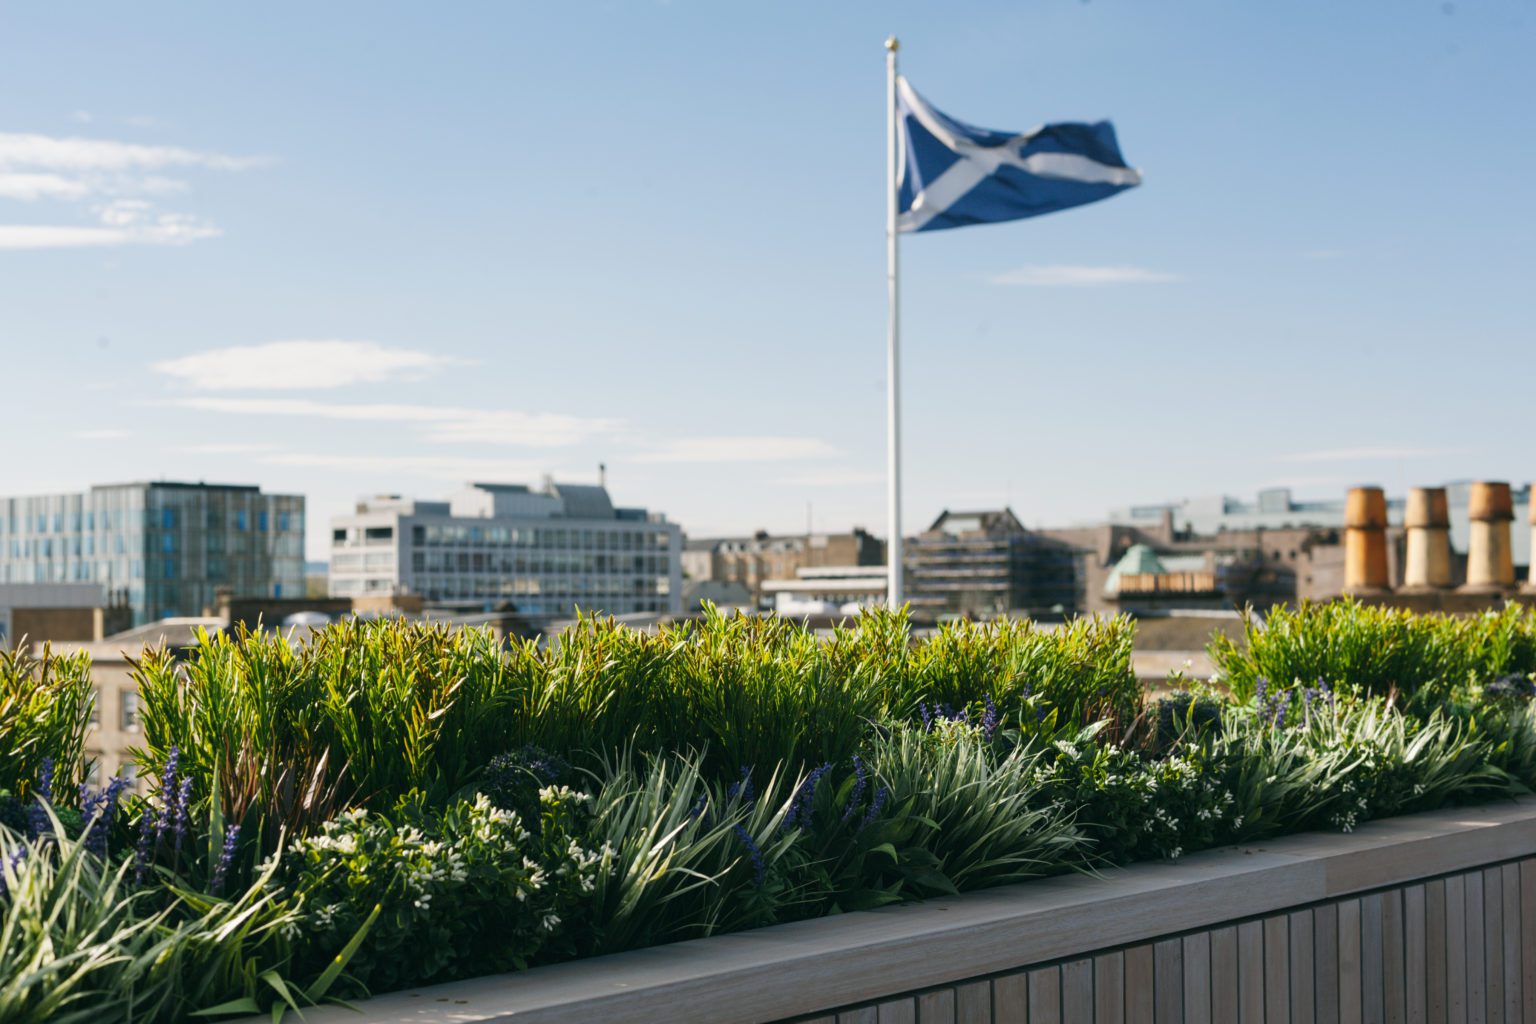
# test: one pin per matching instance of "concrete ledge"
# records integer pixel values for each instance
(788, 970)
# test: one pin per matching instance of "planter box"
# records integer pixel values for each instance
(1429, 917)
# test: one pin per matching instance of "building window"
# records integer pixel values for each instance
(95, 718)
(130, 718)
(242, 520)
(261, 522)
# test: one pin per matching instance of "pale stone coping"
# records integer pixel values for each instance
(808, 966)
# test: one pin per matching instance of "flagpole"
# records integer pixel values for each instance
(894, 596)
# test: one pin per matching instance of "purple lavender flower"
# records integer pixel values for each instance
(989, 718)
(875, 807)
(168, 788)
(149, 833)
(860, 780)
(99, 810)
(226, 855)
(179, 823)
(37, 816)
(13, 862)
(759, 868)
(922, 709)
(742, 787)
(805, 795)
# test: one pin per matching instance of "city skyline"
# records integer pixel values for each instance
(400, 252)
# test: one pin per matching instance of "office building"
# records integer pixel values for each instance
(160, 549)
(979, 564)
(755, 560)
(545, 552)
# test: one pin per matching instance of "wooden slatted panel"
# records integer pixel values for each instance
(1197, 978)
(1224, 974)
(1414, 958)
(1277, 968)
(1303, 970)
(1010, 999)
(1138, 985)
(1045, 996)
(1493, 943)
(1459, 948)
(1513, 1004)
(1393, 970)
(1349, 962)
(1434, 952)
(1250, 972)
(1528, 939)
(1456, 948)
(1077, 990)
(1477, 973)
(1325, 939)
(1168, 981)
(1109, 989)
(973, 1003)
(937, 1007)
(1372, 1008)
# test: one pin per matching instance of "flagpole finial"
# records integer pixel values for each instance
(892, 44)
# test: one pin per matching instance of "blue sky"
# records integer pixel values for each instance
(367, 247)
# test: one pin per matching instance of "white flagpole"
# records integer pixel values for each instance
(895, 596)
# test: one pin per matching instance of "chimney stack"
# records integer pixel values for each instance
(1365, 541)
(1427, 520)
(1490, 561)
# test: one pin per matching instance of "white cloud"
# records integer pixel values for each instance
(1367, 453)
(429, 467)
(444, 424)
(44, 168)
(163, 229)
(28, 187)
(299, 366)
(54, 153)
(100, 435)
(1069, 276)
(739, 449)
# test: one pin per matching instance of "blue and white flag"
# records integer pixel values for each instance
(950, 174)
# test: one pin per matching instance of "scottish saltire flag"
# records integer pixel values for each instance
(950, 174)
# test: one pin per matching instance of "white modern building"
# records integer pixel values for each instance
(829, 590)
(547, 552)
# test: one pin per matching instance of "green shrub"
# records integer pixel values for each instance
(45, 710)
(1080, 671)
(986, 820)
(80, 943)
(468, 891)
(1132, 807)
(684, 857)
(1313, 762)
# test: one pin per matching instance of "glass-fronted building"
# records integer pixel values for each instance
(163, 549)
(546, 552)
